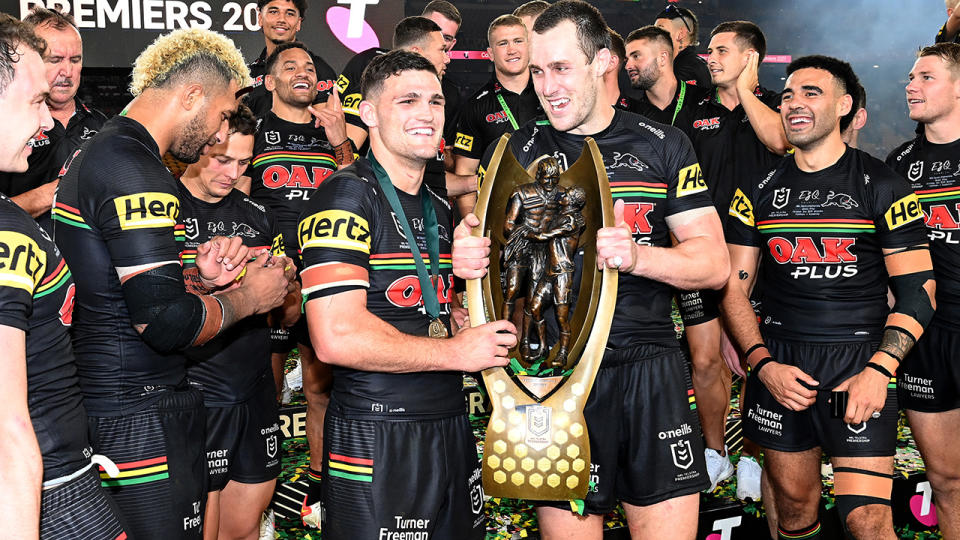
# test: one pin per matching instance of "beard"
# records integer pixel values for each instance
(188, 147)
(646, 78)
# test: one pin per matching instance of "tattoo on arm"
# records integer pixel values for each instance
(896, 342)
(743, 275)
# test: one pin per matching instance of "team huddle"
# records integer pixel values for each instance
(157, 268)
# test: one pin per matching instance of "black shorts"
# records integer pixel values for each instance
(162, 486)
(771, 425)
(929, 377)
(80, 510)
(698, 307)
(243, 440)
(284, 340)
(644, 431)
(400, 478)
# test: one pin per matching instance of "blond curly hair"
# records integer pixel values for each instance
(201, 52)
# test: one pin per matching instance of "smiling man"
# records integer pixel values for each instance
(373, 239)
(641, 397)
(835, 227)
(74, 122)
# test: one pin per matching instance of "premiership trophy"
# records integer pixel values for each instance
(537, 445)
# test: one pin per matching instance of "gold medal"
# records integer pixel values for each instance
(437, 329)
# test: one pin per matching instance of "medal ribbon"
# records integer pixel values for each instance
(503, 103)
(430, 227)
(676, 110)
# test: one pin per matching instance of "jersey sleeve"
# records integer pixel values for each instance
(277, 246)
(23, 268)
(686, 186)
(898, 217)
(335, 237)
(468, 141)
(137, 210)
(741, 226)
(348, 85)
(326, 78)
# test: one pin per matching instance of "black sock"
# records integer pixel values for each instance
(810, 532)
(313, 486)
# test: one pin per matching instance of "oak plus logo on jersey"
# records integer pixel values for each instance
(21, 261)
(904, 210)
(498, 117)
(827, 258)
(297, 178)
(149, 210)
(942, 220)
(636, 216)
(705, 124)
(337, 229)
(690, 181)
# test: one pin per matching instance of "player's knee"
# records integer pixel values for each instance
(864, 518)
(706, 363)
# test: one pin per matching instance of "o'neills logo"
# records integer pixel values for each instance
(147, 210)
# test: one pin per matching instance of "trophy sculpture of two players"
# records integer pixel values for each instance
(538, 220)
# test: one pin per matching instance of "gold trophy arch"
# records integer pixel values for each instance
(537, 445)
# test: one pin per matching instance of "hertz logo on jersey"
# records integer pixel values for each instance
(277, 248)
(342, 83)
(22, 262)
(690, 181)
(351, 103)
(741, 208)
(903, 211)
(334, 229)
(463, 142)
(149, 210)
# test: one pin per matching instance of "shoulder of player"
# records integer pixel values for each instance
(900, 153)
(323, 69)
(876, 171)
(15, 219)
(650, 130)
(482, 93)
(242, 200)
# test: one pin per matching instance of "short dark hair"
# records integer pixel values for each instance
(301, 5)
(749, 35)
(444, 8)
(842, 73)
(654, 34)
(616, 45)
(389, 64)
(592, 32)
(532, 9)
(55, 18)
(14, 33)
(272, 59)
(412, 31)
(689, 19)
(243, 121)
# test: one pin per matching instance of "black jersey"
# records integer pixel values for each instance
(691, 69)
(290, 161)
(653, 169)
(452, 106)
(228, 367)
(680, 113)
(933, 172)
(484, 118)
(36, 296)
(260, 100)
(351, 240)
(821, 234)
(728, 148)
(116, 210)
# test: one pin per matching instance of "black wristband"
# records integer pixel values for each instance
(880, 368)
(755, 370)
(891, 355)
(753, 348)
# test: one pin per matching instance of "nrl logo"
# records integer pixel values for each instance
(272, 446)
(915, 171)
(781, 196)
(682, 454)
(857, 430)
(272, 137)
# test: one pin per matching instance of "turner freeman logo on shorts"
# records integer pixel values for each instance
(538, 426)
(150, 210)
(903, 211)
(21, 261)
(337, 229)
(690, 181)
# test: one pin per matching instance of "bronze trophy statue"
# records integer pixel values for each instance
(537, 444)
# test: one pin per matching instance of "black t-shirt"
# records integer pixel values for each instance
(691, 69)
(942, 36)
(679, 114)
(228, 368)
(822, 274)
(260, 100)
(351, 239)
(117, 210)
(728, 148)
(289, 162)
(483, 119)
(932, 171)
(653, 169)
(36, 296)
(49, 150)
(451, 107)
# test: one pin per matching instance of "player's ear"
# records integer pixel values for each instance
(191, 96)
(845, 104)
(601, 62)
(368, 113)
(269, 82)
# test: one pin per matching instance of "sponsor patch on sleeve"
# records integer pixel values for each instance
(903, 211)
(150, 210)
(277, 248)
(463, 142)
(351, 103)
(742, 209)
(22, 262)
(342, 82)
(337, 229)
(690, 181)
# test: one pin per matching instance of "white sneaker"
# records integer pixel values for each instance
(748, 479)
(294, 378)
(267, 528)
(310, 515)
(286, 393)
(719, 468)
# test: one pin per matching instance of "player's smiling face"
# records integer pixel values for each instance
(566, 81)
(509, 49)
(812, 106)
(294, 78)
(933, 91)
(25, 109)
(725, 58)
(408, 114)
(280, 21)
